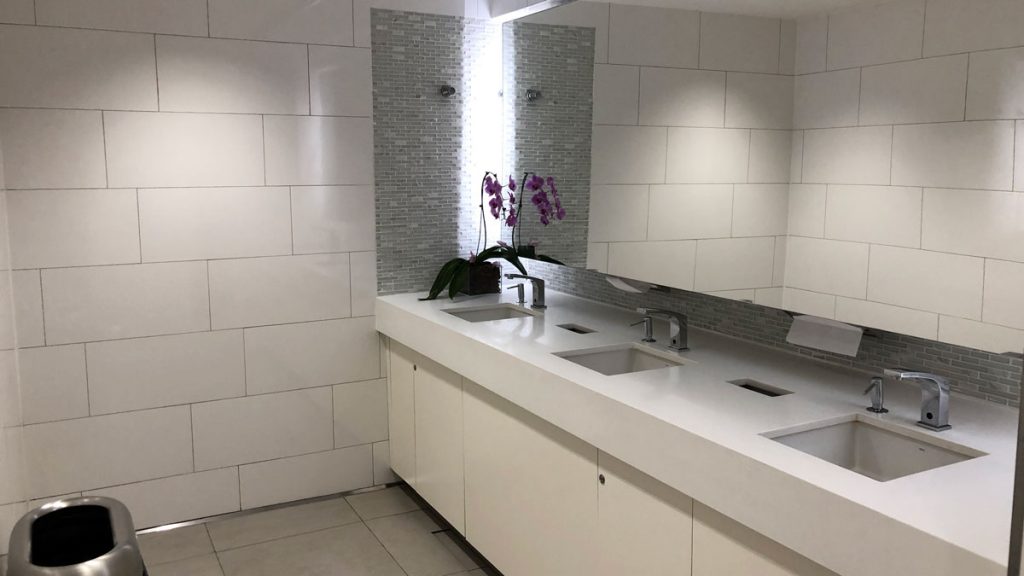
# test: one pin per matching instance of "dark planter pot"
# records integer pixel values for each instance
(484, 278)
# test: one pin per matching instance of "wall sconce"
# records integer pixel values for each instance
(532, 95)
(447, 90)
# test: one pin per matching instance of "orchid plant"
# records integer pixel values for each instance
(504, 201)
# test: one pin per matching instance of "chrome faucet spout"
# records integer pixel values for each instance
(678, 327)
(538, 289)
(934, 397)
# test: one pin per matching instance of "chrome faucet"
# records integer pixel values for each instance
(934, 398)
(877, 391)
(678, 325)
(538, 289)
(520, 291)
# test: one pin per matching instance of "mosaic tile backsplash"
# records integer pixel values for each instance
(993, 377)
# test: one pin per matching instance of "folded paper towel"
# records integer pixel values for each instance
(827, 335)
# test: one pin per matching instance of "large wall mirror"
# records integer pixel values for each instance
(768, 160)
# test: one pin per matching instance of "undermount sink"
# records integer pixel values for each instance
(873, 448)
(615, 360)
(491, 313)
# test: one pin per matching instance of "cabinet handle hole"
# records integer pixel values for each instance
(600, 478)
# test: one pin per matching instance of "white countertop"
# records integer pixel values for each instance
(689, 428)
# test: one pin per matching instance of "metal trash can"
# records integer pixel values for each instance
(89, 536)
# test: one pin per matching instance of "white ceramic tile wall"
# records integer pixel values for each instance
(922, 172)
(690, 108)
(183, 174)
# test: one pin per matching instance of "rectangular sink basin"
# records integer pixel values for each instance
(491, 313)
(873, 448)
(615, 360)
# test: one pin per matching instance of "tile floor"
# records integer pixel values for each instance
(380, 533)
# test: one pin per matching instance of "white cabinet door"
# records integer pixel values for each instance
(645, 527)
(724, 547)
(531, 495)
(401, 411)
(439, 475)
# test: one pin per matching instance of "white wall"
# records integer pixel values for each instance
(191, 204)
(692, 145)
(908, 214)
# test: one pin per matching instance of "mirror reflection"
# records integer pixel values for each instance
(743, 157)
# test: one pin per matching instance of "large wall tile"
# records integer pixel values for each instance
(707, 155)
(360, 413)
(739, 43)
(321, 474)
(321, 22)
(759, 101)
(981, 336)
(770, 156)
(12, 477)
(616, 94)
(28, 307)
(796, 166)
(806, 302)
(628, 155)
(186, 17)
(760, 210)
(930, 90)
(665, 263)
(340, 81)
(145, 373)
(333, 219)
(178, 498)
(875, 34)
(71, 455)
(670, 97)
(874, 214)
(309, 355)
(954, 282)
(974, 222)
(688, 212)
(52, 228)
(787, 48)
(258, 428)
(848, 155)
(17, 12)
(1004, 300)
(954, 155)
(53, 383)
(52, 149)
(261, 291)
(891, 318)
(382, 473)
(618, 213)
(811, 44)
(59, 68)
(996, 87)
(807, 210)
(826, 100)
(106, 303)
(364, 283)
(827, 266)
(207, 75)
(956, 26)
(319, 150)
(654, 37)
(209, 223)
(594, 15)
(597, 257)
(149, 150)
(734, 263)
(1018, 165)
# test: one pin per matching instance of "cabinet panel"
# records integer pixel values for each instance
(439, 473)
(531, 492)
(401, 412)
(724, 547)
(645, 527)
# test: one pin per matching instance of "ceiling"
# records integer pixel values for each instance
(772, 8)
